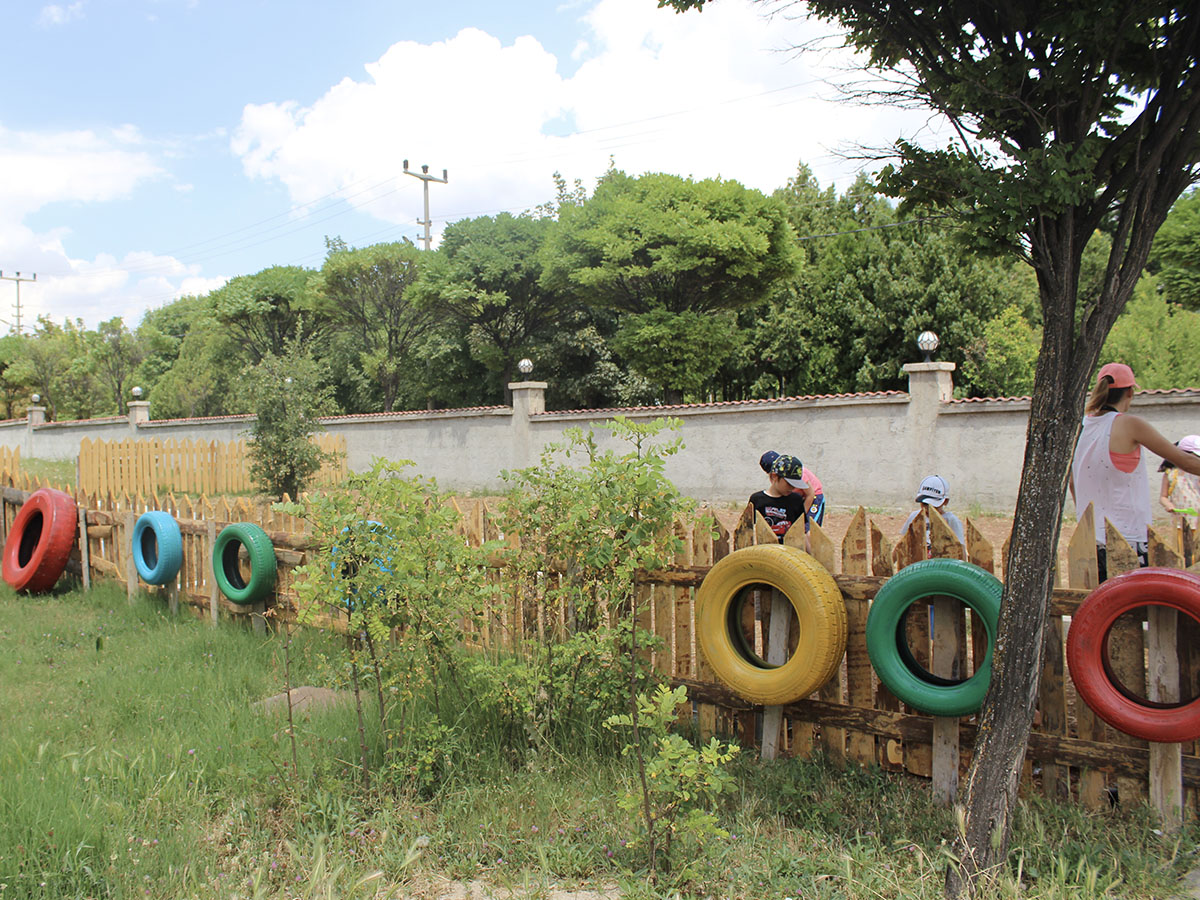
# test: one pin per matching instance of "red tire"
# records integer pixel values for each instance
(40, 541)
(1087, 654)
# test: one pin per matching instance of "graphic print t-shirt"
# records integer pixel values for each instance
(780, 512)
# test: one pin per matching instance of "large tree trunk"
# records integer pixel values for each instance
(1061, 382)
(990, 790)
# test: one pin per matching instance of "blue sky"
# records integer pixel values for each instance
(151, 148)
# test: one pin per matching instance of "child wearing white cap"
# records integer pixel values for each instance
(1181, 490)
(936, 493)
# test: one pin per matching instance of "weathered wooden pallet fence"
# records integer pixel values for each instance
(1072, 755)
(149, 467)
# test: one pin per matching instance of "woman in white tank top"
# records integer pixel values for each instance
(1109, 470)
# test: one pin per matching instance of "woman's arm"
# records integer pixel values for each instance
(1142, 432)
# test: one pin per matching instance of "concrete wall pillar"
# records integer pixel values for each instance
(528, 399)
(930, 385)
(35, 416)
(139, 412)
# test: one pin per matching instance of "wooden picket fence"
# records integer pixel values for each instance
(149, 467)
(1071, 754)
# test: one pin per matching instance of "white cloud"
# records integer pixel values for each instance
(54, 14)
(37, 169)
(706, 94)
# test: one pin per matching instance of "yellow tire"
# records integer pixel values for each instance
(819, 608)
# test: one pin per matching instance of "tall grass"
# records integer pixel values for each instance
(134, 763)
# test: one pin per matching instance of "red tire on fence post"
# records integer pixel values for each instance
(1087, 654)
(40, 541)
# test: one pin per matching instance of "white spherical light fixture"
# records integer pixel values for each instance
(927, 341)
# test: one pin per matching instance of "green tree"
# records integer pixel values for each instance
(673, 247)
(14, 373)
(115, 354)
(266, 310)
(1071, 117)
(487, 277)
(1001, 362)
(201, 381)
(287, 395)
(1175, 256)
(849, 320)
(368, 292)
(56, 364)
(1159, 339)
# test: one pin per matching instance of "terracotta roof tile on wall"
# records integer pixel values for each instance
(1158, 392)
(82, 421)
(724, 404)
(240, 417)
(413, 412)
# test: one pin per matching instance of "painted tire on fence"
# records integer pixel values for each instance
(157, 547)
(819, 607)
(887, 644)
(343, 566)
(262, 563)
(40, 541)
(1087, 653)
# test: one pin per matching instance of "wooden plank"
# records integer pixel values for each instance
(762, 531)
(777, 655)
(912, 544)
(888, 752)
(944, 756)
(1105, 757)
(1163, 686)
(84, 551)
(743, 532)
(682, 663)
(1166, 760)
(1127, 654)
(821, 547)
(860, 676)
(131, 578)
(213, 591)
(1052, 701)
(882, 551)
(1083, 573)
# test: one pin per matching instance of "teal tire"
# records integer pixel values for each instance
(888, 647)
(157, 547)
(259, 585)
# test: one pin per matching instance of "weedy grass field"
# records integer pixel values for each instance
(136, 762)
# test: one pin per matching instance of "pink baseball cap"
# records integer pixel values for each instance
(1121, 375)
(1190, 444)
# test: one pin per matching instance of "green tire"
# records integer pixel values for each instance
(888, 648)
(262, 563)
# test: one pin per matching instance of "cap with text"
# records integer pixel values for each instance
(933, 491)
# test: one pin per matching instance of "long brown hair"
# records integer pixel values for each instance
(1104, 394)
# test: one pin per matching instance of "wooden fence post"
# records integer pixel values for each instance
(85, 560)
(1083, 573)
(1162, 660)
(213, 604)
(944, 662)
(131, 578)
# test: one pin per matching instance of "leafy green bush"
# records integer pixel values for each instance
(388, 557)
(680, 783)
(582, 523)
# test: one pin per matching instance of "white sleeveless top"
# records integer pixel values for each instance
(1121, 497)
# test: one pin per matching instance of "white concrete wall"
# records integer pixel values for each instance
(868, 449)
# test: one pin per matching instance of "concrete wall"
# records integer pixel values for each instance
(870, 449)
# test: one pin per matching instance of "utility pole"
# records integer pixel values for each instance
(17, 279)
(426, 177)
